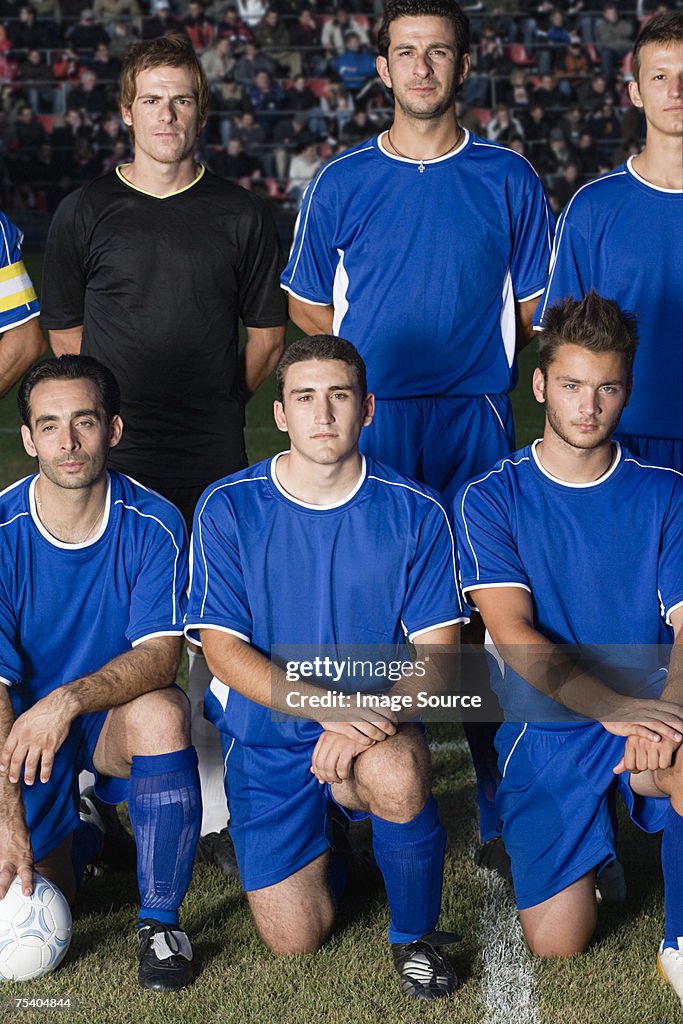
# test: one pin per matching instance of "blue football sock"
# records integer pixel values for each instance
(480, 738)
(672, 869)
(410, 857)
(86, 846)
(165, 808)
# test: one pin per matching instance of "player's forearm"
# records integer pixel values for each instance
(67, 342)
(525, 322)
(12, 822)
(259, 356)
(240, 666)
(151, 665)
(673, 690)
(311, 319)
(19, 348)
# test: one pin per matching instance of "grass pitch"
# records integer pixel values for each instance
(352, 979)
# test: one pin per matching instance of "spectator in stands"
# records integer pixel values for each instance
(38, 84)
(536, 125)
(267, 100)
(536, 24)
(250, 63)
(109, 11)
(233, 163)
(109, 132)
(49, 12)
(605, 127)
(573, 68)
(488, 59)
(587, 155)
(557, 40)
(303, 166)
(591, 95)
(565, 185)
(66, 132)
(358, 129)
(86, 34)
(572, 124)
(26, 137)
(272, 35)
(234, 30)
(305, 34)
(107, 69)
(613, 38)
(548, 93)
(515, 90)
(503, 126)
(354, 66)
(84, 165)
(333, 36)
(197, 26)
(28, 33)
(218, 60)
(89, 97)
(251, 133)
(122, 38)
(300, 99)
(288, 135)
(556, 155)
(160, 22)
(120, 154)
(337, 107)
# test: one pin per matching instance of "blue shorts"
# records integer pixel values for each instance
(442, 442)
(553, 800)
(657, 451)
(278, 810)
(52, 807)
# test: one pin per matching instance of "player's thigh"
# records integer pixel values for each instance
(562, 925)
(296, 914)
(391, 779)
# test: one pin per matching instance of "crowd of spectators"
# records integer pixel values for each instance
(293, 83)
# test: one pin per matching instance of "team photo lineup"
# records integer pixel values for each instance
(151, 576)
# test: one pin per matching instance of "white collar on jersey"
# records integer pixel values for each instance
(616, 459)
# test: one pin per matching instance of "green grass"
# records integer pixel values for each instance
(351, 980)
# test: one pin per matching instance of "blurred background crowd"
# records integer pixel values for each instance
(293, 83)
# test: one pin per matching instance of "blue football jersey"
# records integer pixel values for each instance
(603, 561)
(374, 568)
(68, 609)
(423, 267)
(624, 238)
(18, 299)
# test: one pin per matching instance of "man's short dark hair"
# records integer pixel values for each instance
(594, 323)
(448, 9)
(70, 368)
(664, 29)
(321, 347)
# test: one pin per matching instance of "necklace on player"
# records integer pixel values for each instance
(57, 535)
(421, 163)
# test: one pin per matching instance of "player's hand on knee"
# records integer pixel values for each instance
(333, 757)
(652, 720)
(34, 739)
(375, 726)
(642, 755)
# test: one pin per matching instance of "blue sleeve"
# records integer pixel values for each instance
(158, 597)
(11, 666)
(670, 569)
(570, 266)
(433, 596)
(533, 235)
(18, 299)
(218, 595)
(313, 260)
(489, 554)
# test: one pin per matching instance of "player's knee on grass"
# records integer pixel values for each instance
(563, 925)
(393, 778)
(295, 915)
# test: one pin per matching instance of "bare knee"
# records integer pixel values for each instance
(563, 925)
(393, 777)
(158, 722)
(551, 947)
(295, 915)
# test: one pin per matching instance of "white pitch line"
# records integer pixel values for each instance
(449, 746)
(508, 983)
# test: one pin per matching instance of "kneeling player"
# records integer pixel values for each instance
(320, 546)
(575, 541)
(91, 609)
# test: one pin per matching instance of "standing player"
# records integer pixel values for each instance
(623, 236)
(322, 546)
(547, 559)
(149, 269)
(428, 247)
(91, 605)
(22, 340)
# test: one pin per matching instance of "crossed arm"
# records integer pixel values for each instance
(653, 728)
(19, 348)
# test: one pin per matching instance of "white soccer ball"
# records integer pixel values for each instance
(35, 931)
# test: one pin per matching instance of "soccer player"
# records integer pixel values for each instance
(322, 546)
(428, 248)
(148, 269)
(575, 541)
(91, 609)
(622, 235)
(22, 340)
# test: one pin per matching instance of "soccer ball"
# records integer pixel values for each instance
(35, 931)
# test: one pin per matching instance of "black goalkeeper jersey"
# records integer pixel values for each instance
(159, 285)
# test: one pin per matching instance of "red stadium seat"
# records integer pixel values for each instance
(516, 52)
